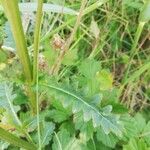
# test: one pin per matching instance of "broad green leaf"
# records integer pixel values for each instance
(109, 123)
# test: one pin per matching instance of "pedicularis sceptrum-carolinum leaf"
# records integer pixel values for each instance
(6, 101)
(103, 117)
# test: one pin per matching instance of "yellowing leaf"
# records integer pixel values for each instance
(106, 79)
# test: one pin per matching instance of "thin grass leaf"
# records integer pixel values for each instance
(12, 139)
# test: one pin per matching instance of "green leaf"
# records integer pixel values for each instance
(146, 134)
(89, 68)
(6, 101)
(109, 140)
(70, 57)
(86, 129)
(106, 80)
(135, 144)
(109, 122)
(63, 141)
(12, 139)
(140, 123)
(58, 115)
(3, 145)
(130, 129)
(47, 132)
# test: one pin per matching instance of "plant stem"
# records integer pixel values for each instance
(36, 63)
(12, 139)
(134, 48)
(55, 68)
(12, 11)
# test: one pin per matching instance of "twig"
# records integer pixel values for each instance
(55, 68)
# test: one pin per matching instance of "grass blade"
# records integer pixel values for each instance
(12, 139)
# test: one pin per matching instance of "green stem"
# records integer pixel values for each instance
(35, 62)
(134, 48)
(12, 139)
(12, 11)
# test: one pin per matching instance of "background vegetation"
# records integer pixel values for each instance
(75, 75)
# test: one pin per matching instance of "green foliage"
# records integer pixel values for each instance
(136, 145)
(100, 117)
(98, 99)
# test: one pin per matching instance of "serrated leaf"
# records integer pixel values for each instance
(6, 101)
(86, 129)
(109, 140)
(58, 115)
(47, 132)
(109, 123)
(63, 141)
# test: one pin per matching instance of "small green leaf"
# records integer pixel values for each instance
(106, 80)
